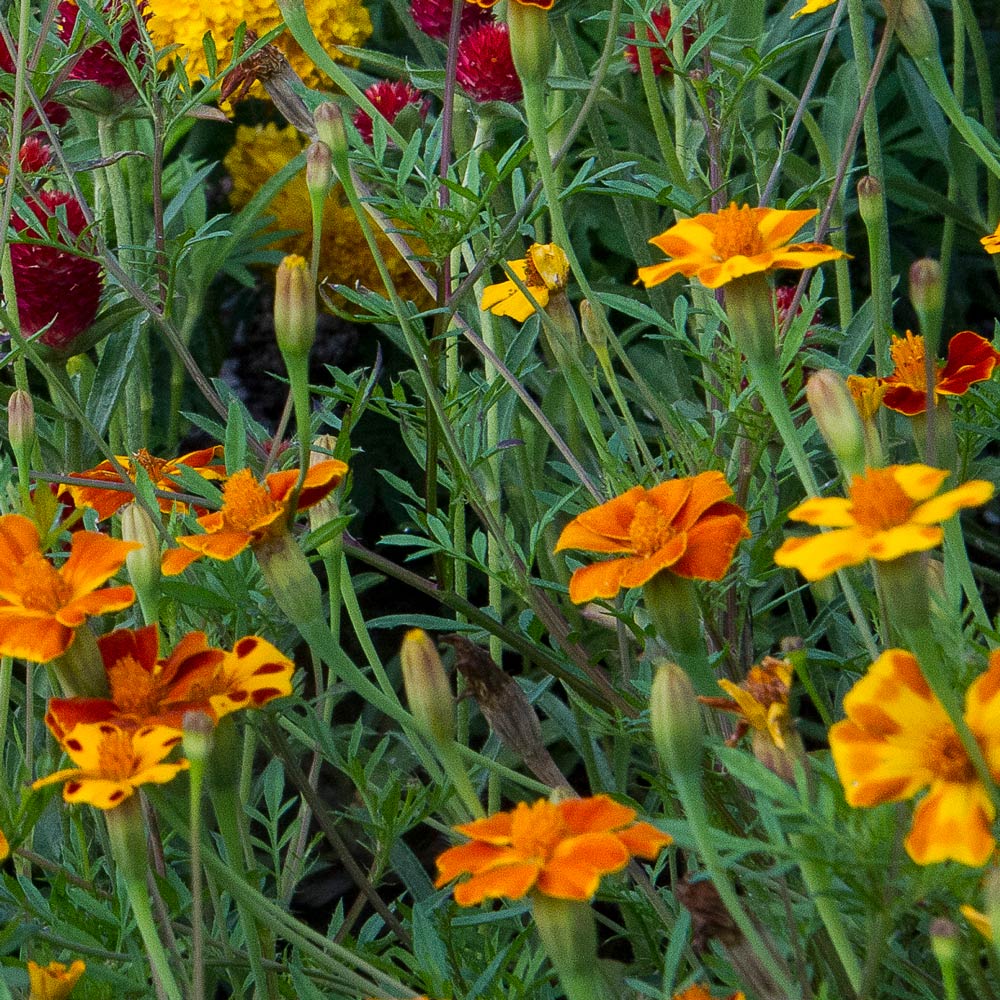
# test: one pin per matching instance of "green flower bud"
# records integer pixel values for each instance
(838, 420)
(294, 307)
(428, 690)
(675, 718)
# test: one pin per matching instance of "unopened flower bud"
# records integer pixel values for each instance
(21, 423)
(530, 43)
(914, 26)
(927, 296)
(594, 333)
(946, 947)
(294, 306)
(319, 169)
(143, 564)
(330, 127)
(675, 719)
(871, 201)
(838, 420)
(428, 691)
(199, 735)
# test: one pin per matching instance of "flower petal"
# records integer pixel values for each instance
(34, 636)
(611, 521)
(917, 481)
(710, 546)
(973, 493)
(971, 358)
(469, 858)
(495, 829)
(99, 602)
(510, 881)
(94, 558)
(598, 580)
(643, 840)
(827, 512)
(820, 555)
(901, 541)
(595, 814)
(952, 823)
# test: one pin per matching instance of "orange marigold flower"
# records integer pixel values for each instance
(252, 512)
(686, 526)
(716, 247)
(196, 677)
(812, 6)
(54, 981)
(41, 606)
(545, 270)
(558, 849)
(888, 513)
(699, 992)
(760, 700)
(161, 471)
(112, 762)
(971, 359)
(991, 243)
(897, 739)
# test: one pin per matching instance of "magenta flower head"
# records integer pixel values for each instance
(658, 51)
(389, 98)
(485, 67)
(34, 155)
(100, 63)
(55, 286)
(433, 17)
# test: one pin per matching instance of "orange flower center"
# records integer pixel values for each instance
(737, 234)
(878, 502)
(116, 759)
(154, 466)
(39, 585)
(947, 758)
(134, 690)
(536, 830)
(650, 529)
(246, 503)
(909, 357)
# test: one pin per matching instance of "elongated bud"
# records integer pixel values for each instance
(871, 201)
(594, 333)
(946, 947)
(319, 169)
(428, 691)
(914, 26)
(530, 43)
(21, 423)
(143, 564)
(294, 307)
(927, 296)
(199, 736)
(330, 127)
(675, 719)
(838, 419)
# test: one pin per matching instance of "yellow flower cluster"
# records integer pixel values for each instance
(261, 152)
(185, 22)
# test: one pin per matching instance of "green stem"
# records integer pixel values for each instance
(569, 936)
(197, 772)
(956, 559)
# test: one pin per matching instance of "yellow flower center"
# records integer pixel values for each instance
(908, 355)
(737, 233)
(650, 529)
(134, 690)
(116, 759)
(39, 585)
(878, 502)
(246, 503)
(946, 757)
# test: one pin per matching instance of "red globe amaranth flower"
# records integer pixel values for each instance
(52, 285)
(783, 295)
(56, 113)
(658, 51)
(433, 17)
(34, 154)
(100, 63)
(485, 67)
(389, 98)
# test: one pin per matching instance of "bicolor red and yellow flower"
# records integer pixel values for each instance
(718, 247)
(149, 690)
(162, 472)
(544, 271)
(54, 981)
(971, 359)
(897, 740)
(557, 849)
(41, 606)
(252, 512)
(687, 527)
(888, 513)
(113, 761)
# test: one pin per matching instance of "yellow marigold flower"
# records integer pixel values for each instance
(558, 849)
(54, 981)
(112, 762)
(761, 701)
(345, 259)
(888, 513)
(897, 739)
(991, 243)
(812, 6)
(41, 607)
(4, 846)
(716, 247)
(185, 23)
(543, 271)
